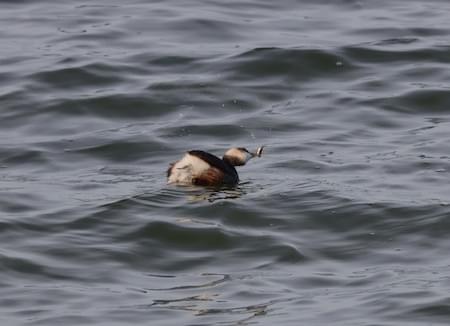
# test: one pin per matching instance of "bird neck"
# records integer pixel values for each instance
(232, 160)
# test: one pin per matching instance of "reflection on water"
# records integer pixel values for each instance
(222, 279)
(198, 304)
(212, 195)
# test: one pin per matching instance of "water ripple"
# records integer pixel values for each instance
(343, 220)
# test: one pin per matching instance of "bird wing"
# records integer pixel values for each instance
(210, 177)
(211, 159)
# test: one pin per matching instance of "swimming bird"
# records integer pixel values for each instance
(204, 169)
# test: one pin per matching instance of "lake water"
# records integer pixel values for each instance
(343, 221)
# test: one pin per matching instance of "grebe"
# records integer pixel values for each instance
(205, 169)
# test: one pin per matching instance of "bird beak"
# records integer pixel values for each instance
(258, 152)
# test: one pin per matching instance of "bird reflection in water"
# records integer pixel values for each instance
(218, 193)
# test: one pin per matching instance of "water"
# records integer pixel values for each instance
(343, 221)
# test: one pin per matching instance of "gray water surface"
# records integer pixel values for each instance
(343, 221)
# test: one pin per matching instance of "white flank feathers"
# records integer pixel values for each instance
(186, 169)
